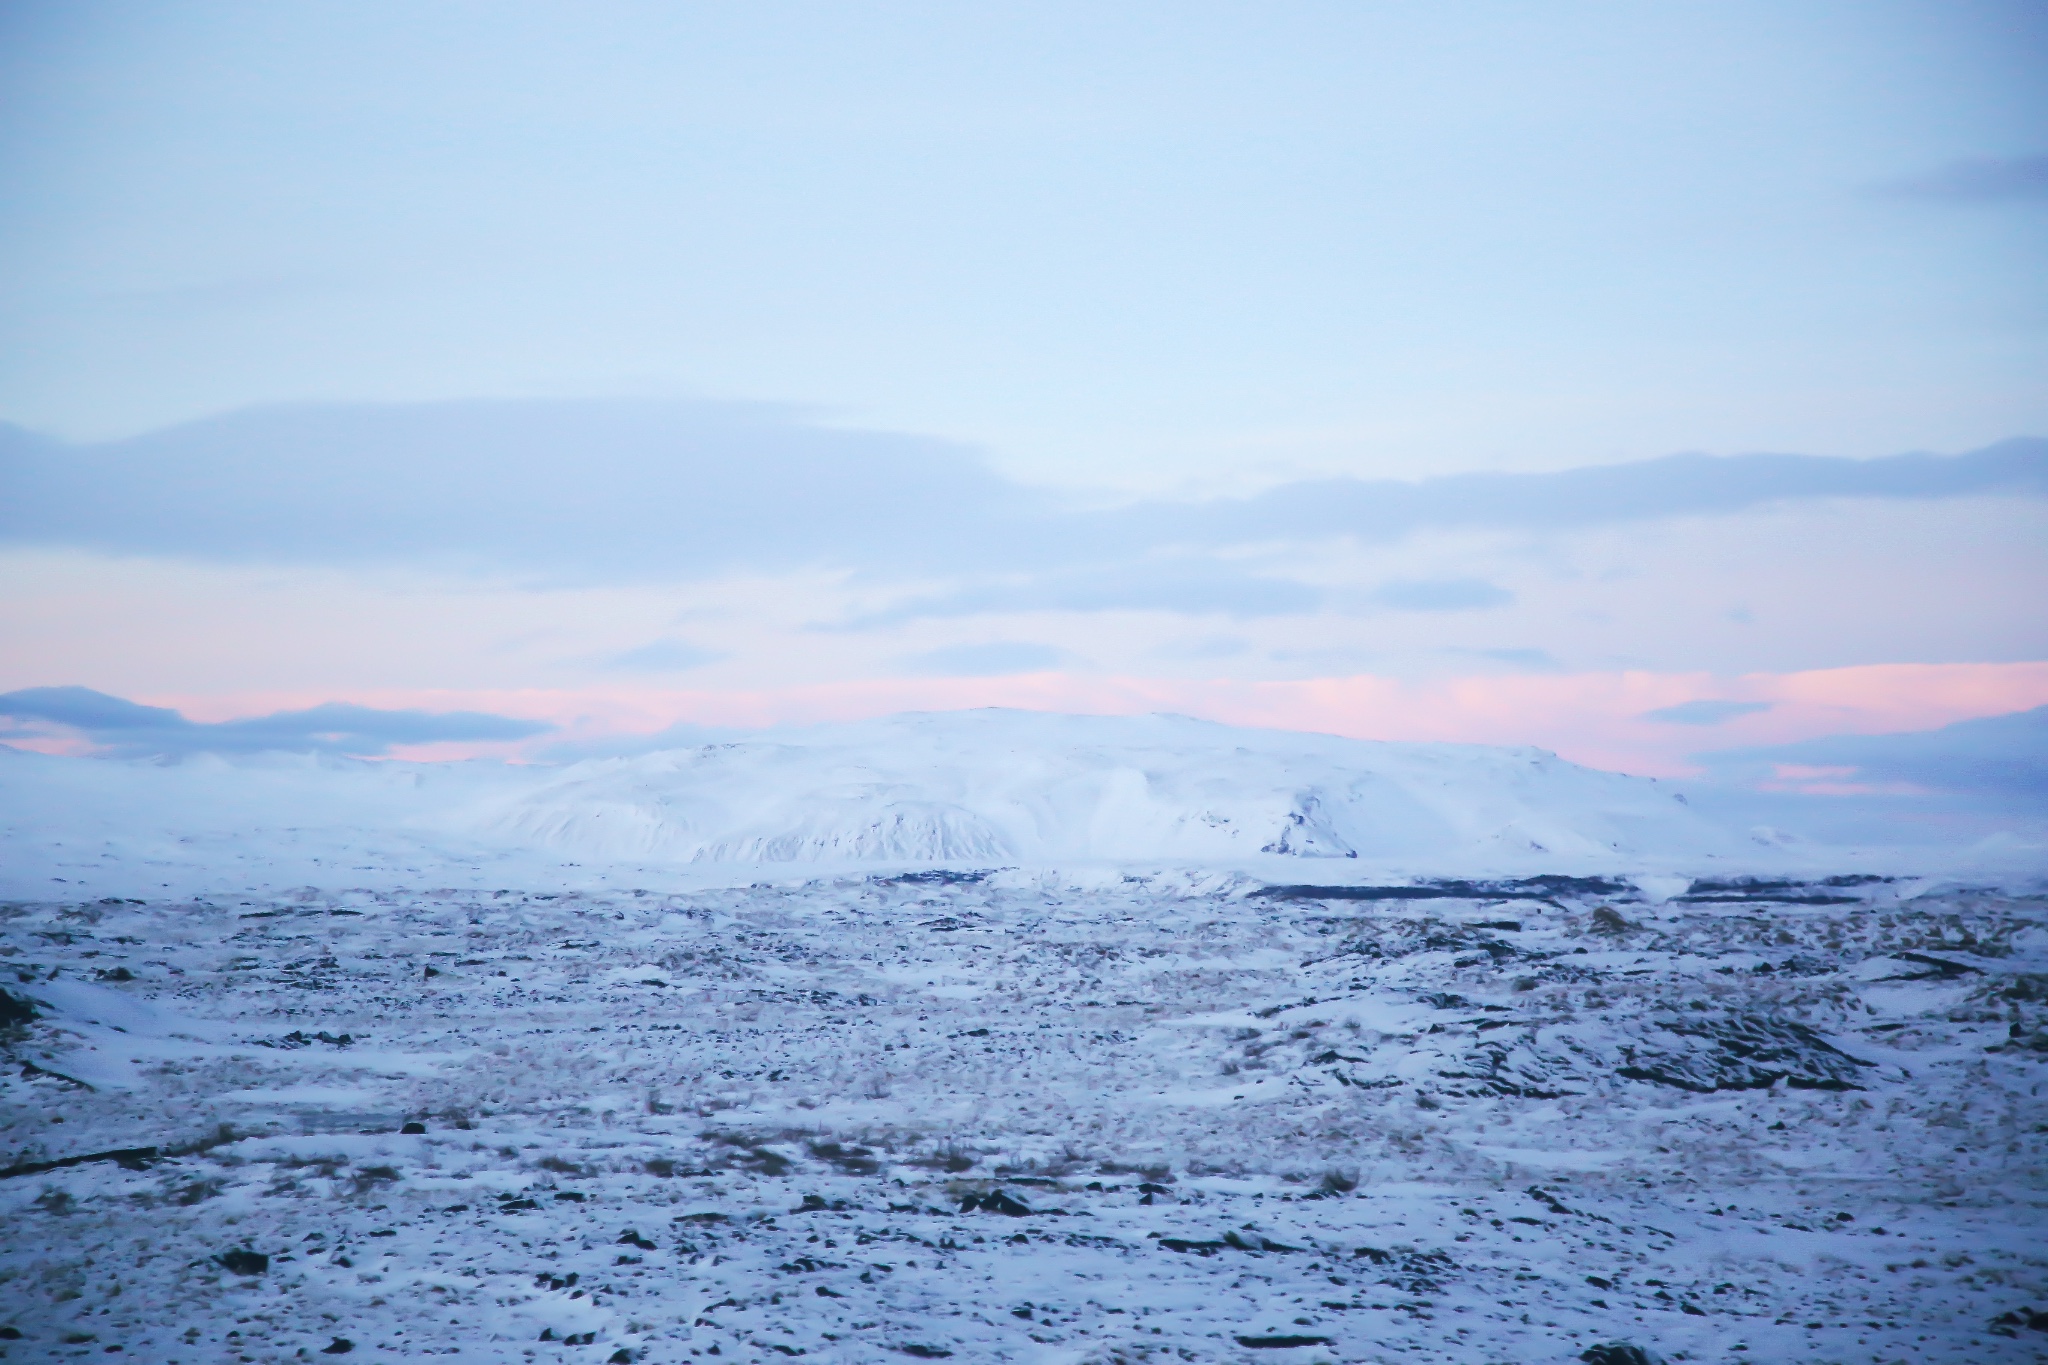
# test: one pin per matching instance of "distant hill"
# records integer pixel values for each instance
(995, 786)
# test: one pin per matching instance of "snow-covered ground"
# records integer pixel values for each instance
(1102, 1046)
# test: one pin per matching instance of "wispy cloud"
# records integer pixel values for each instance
(1207, 647)
(993, 659)
(1440, 594)
(1705, 711)
(1533, 660)
(663, 656)
(122, 728)
(1186, 585)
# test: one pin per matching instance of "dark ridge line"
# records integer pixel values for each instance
(938, 876)
(1943, 968)
(1544, 887)
(1706, 885)
(1768, 898)
(29, 1071)
(128, 1158)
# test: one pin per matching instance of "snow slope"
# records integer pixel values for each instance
(104, 827)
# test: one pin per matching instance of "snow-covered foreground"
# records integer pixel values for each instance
(1005, 1117)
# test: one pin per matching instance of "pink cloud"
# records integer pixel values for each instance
(60, 746)
(1593, 718)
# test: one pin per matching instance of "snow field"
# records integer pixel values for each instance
(995, 1117)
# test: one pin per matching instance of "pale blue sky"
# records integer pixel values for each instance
(1166, 247)
(612, 365)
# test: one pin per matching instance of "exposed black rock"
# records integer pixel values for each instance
(243, 1261)
(1619, 1353)
(31, 1072)
(1608, 920)
(1184, 1245)
(1938, 968)
(128, 1158)
(852, 1160)
(995, 1202)
(1742, 1053)
(1767, 891)
(1545, 887)
(2020, 1319)
(1426, 892)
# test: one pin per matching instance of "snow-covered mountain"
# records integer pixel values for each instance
(965, 789)
(1011, 786)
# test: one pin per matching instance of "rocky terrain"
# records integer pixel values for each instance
(1009, 1116)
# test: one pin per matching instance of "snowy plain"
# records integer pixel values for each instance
(992, 1036)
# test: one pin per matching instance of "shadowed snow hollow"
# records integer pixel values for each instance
(982, 786)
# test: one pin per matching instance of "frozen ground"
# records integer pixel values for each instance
(1424, 1053)
(1159, 1119)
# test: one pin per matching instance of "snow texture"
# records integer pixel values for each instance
(1017, 1097)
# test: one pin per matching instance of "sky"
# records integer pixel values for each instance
(1657, 384)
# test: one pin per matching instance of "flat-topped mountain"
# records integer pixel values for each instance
(995, 786)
